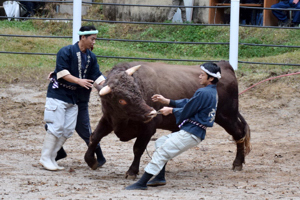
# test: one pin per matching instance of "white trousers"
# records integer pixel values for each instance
(168, 147)
(60, 117)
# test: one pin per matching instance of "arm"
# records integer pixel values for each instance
(161, 99)
(96, 74)
(166, 111)
(86, 83)
(189, 109)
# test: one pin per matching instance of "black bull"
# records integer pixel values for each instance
(128, 104)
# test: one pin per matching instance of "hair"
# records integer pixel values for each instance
(86, 28)
(213, 68)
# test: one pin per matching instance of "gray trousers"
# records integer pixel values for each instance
(60, 117)
(169, 146)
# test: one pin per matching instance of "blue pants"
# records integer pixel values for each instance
(280, 14)
(83, 127)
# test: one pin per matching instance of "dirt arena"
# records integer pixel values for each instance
(272, 169)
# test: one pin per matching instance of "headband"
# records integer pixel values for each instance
(217, 75)
(88, 32)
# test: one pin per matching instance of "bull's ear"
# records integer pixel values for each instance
(105, 90)
(131, 70)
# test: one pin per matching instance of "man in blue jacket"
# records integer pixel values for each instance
(193, 116)
(75, 73)
(83, 127)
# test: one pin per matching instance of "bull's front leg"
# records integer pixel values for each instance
(102, 129)
(138, 150)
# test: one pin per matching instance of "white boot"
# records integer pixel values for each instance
(58, 145)
(48, 148)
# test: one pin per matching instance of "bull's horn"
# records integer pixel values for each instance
(131, 70)
(105, 90)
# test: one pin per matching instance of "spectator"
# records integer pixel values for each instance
(282, 16)
(30, 7)
(174, 9)
(248, 16)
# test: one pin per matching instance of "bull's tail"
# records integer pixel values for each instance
(247, 137)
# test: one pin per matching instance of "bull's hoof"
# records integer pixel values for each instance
(237, 168)
(94, 166)
(91, 161)
(130, 176)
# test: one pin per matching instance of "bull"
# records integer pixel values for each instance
(129, 111)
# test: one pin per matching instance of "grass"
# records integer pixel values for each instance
(17, 68)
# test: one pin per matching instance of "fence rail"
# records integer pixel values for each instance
(150, 23)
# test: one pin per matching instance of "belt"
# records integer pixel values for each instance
(193, 122)
(70, 87)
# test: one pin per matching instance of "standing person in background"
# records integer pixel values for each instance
(174, 9)
(76, 69)
(283, 18)
(247, 16)
(193, 116)
(30, 7)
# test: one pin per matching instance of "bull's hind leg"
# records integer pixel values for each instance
(240, 131)
(102, 129)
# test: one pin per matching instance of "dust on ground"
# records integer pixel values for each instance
(271, 171)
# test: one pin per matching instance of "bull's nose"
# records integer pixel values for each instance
(151, 115)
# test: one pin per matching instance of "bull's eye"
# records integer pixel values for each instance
(122, 102)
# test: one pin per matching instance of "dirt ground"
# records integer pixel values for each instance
(272, 168)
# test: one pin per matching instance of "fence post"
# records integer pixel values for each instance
(76, 19)
(234, 33)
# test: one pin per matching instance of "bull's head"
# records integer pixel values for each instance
(125, 98)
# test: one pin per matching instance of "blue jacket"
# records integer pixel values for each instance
(200, 108)
(68, 59)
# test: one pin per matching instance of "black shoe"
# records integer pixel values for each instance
(61, 154)
(140, 184)
(100, 158)
(137, 186)
(159, 180)
(101, 163)
(156, 182)
(286, 23)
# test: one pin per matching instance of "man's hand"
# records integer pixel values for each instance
(166, 111)
(160, 98)
(49, 75)
(86, 83)
(295, 1)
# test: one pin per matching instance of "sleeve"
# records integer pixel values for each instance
(189, 109)
(96, 74)
(179, 103)
(63, 62)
